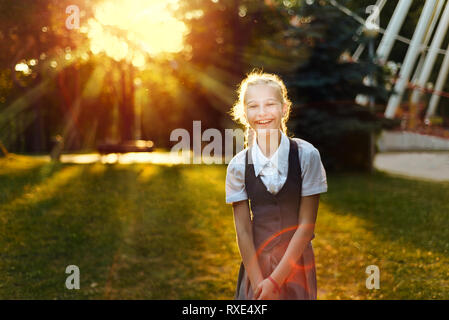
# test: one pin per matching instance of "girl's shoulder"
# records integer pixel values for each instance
(239, 159)
(235, 172)
(304, 146)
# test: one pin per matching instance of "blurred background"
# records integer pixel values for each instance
(90, 91)
(81, 74)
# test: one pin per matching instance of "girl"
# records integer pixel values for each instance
(274, 186)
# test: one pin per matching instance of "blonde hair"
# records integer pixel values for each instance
(256, 77)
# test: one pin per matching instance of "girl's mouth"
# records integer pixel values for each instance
(264, 122)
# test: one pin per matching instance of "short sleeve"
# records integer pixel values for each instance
(314, 179)
(235, 181)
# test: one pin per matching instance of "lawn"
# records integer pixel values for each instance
(144, 231)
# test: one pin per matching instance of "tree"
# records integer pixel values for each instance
(34, 45)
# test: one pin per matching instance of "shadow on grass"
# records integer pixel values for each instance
(400, 225)
(398, 209)
(14, 184)
(135, 231)
(59, 222)
(177, 242)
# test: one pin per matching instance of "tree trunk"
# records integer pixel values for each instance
(126, 107)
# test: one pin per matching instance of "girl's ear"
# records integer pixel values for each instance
(284, 109)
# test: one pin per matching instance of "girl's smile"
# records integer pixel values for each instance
(264, 122)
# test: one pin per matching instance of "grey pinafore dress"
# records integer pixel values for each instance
(274, 221)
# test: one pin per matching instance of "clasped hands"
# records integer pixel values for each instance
(267, 289)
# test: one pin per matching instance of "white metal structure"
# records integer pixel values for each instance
(432, 55)
(426, 41)
(395, 24)
(424, 32)
(442, 76)
(410, 58)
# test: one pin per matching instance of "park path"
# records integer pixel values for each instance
(422, 165)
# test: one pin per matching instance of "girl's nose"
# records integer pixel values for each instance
(262, 110)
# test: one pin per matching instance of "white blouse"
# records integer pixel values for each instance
(273, 171)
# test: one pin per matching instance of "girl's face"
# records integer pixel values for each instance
(264, 109)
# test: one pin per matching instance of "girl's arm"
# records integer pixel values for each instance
(306, 225)
(244, 231)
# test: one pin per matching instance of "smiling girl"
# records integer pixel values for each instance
(274, 186)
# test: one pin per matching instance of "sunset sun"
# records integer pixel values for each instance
(131, 29)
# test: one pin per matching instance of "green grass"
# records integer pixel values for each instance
(147, 231)
(401, 225)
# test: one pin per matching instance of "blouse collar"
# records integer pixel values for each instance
(279, 160)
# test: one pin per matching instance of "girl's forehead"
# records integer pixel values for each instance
(261, 92)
